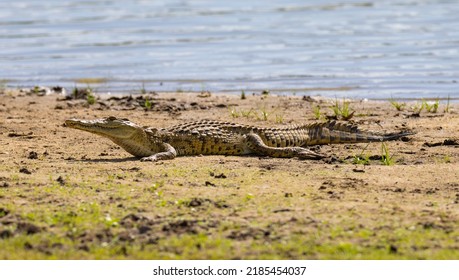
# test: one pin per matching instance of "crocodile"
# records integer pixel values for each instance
(211, 137)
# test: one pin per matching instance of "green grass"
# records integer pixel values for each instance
(386, 157)
(342, 110)
(280, 118)
(147, 104)
(317, 112)
(398, 106)
(362, 158)
(91, 98)
(262, 114)
(431, 107)
(259, 114)
(417, 108)
(85, 218)
(234, 113)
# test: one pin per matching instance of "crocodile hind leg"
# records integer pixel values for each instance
(169, 153)
(255, 144)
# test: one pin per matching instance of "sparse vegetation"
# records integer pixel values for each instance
(317, 112)
(417, 108)
(398, 106)
(386, 157)
(91, 98)
(431, 107)
(262, 114)
(279, 118)
(147, 104)
(243, 95)
(36, 90)
(362, 158)
(88, 199)
(342, 110)
(234, 112)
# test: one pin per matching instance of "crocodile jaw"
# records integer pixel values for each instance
(131, 137)
(110, 127)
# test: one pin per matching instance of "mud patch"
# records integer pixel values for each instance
(446, 142)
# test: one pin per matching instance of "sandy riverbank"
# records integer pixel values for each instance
(68, 194)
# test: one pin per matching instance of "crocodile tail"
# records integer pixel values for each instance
(338, 132)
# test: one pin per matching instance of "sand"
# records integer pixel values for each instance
(68, 194)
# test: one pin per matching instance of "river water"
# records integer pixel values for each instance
(371, 49)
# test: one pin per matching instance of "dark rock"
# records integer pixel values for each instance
(25, 170)
(33, 155)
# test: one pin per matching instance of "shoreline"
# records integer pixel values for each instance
(315, 92)
(67, 194)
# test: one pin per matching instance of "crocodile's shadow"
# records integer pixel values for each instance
(108, 160)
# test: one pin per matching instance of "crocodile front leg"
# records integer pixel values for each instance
(256, 144)
(169, 153)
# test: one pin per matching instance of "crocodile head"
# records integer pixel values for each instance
(123, 132)
(110, 127)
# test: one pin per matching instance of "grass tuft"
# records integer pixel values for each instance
(342, 110)
(362, 158)
(398, 106)
(386, 158)
(431, 107)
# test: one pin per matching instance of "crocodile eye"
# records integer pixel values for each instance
(111, 118)
(125, 120)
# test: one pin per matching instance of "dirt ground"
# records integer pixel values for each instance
(67, 194)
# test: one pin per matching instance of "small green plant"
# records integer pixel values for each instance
(154, 188)
(36, 90)
(147, 104)
(234, 112)
(245, 113)
(279, 118)
(398, 106)
(361, 158)
(417, 108)
(447, 159)
(386, 158)
(243, 95)
(262, 114)
(431, 107)
(265, 92)
(240, 113)
(90, 98)
(342, 110)
(317, 112)
(249, 197)
(447, 108)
